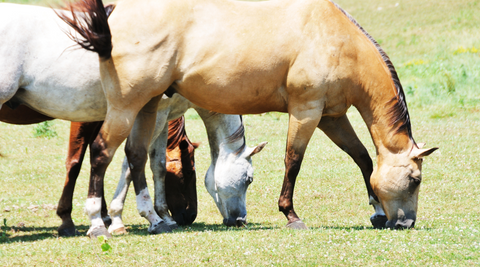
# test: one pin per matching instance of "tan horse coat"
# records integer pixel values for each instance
(305, 57)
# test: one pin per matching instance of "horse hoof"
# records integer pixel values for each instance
(173, 226)
(99, 231)
(297, 225)
(119, 231)
(378, 221)
(161, 227)
(68, 232)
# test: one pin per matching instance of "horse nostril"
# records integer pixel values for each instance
(241, 221)
(404, 224)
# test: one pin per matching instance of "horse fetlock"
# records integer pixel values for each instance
(116, 208)
(107, 220)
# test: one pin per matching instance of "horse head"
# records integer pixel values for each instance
(228, 180)
(180, 179)
(396, 182)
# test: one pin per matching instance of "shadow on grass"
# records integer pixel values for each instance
(31, 234)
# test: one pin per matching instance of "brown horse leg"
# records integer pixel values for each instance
(340, 131)
(81, 134)
(301, 126)
(136, 150)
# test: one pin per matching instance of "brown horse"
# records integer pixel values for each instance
(180, 178)
(308, 58)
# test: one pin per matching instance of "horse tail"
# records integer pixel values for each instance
(89, 18)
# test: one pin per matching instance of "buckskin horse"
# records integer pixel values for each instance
(41, 69)
(180, 178)
(308, 58)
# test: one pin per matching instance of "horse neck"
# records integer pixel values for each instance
(382, 105)
(377, 93)
(225, 135)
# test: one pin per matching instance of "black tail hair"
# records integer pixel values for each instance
(89, 18)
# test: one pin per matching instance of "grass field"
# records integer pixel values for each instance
(436, 50)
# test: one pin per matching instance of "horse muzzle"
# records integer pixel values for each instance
(401, 224)
(184, 217)
(238, 222)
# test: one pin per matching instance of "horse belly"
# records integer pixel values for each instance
(245, 96)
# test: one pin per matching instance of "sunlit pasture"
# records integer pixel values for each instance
(436, 50)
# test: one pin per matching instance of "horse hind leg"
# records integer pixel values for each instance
(81, 134)
(157, 152)
(136, 150)
(116, 207)
(340, 131)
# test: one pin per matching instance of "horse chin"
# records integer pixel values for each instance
(184, 217)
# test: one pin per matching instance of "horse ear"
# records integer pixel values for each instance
(420, 153)
(196, 145)
(257, 149)
(420, 145)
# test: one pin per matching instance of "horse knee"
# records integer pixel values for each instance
(98, 155)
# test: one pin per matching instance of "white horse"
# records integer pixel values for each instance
(41, 68)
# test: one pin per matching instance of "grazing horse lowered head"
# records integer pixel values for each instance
(307, 58)
(41, 69)
(181, 178)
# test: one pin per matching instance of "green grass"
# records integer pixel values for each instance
(424, 40)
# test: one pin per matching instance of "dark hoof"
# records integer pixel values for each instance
(99, 231)
(378, 221)
(160, 228)
(297, 225)
(68, 232)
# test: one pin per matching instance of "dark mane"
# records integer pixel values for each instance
(398, 111)
(237, 135)
(176, 132)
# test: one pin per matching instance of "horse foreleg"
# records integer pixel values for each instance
(340, 131)
(301, 126)
(136, 150)
(81, 134)
(157, 153)
(114, 131)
